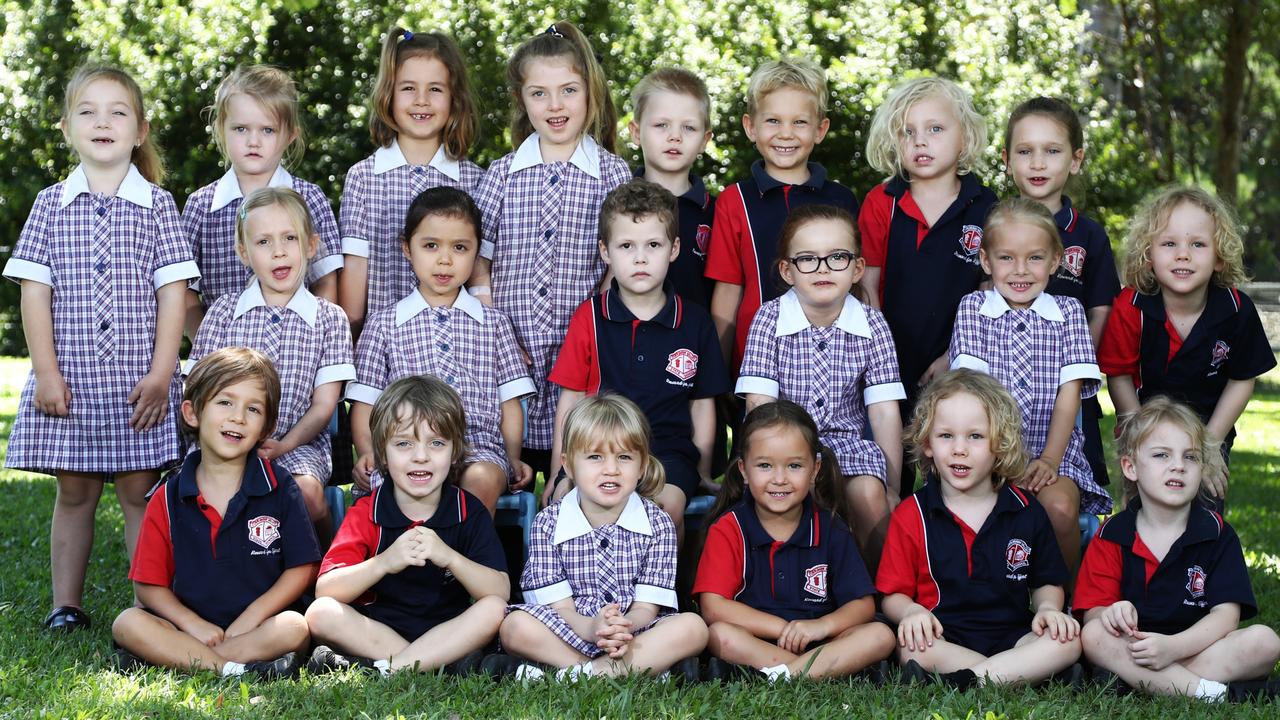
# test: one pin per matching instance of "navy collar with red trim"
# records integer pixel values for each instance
(614, 309)
(1008, 500)
(808, 532)
(970, 188)
(258, 479)
(1203, 525)
(766, 182)
(1066, 217)
(451, 511)
(1221, 304)
(696, 194)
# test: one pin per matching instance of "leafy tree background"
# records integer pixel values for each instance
(1173, 90)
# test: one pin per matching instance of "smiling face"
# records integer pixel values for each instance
(1167, 467)
(605, 477)
(104, 127)
(253, 137)
(1040, 159)
(442, 251)
(1183, 257)
(785, 129)
(1020, 260)
(232, 422)
(779, 467)
(554, 96)
(822, 238)
(672, 133)
(931, 139)
(418, 460)
(959, 443)
(639, 253)
(276, 251)
(420, 103)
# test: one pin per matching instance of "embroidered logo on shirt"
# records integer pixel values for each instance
(1220, 352)
(1073, 260)
(1017, 555)
(1195, 581)
(683, 363)
(264, 530)
(971, 239)
(701, 239)
(815, 580)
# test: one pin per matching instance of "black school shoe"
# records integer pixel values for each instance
(500, 665)
(284, 667)
(914, 674)
(875, 674)
(67, 619)
(325, 659)
(726, 672)
(465, 665)
(686, 671)
(1242, 691)
(125, 661)
(1072, 676)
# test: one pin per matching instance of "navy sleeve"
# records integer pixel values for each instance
(1047, 565)
(1228, 580)
(1101, 281)
(847, 575)
(479, 537)
(1252, 354)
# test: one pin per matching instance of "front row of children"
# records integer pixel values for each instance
(971, 575)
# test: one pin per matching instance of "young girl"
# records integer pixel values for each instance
(541, 206)
(1037, 345)
(600, 582)
(969, 555)
(440, 329)
(1044, 149)
(818, 346)
(255, 125)
(819, 622)
(423, 120)
(104, 268)
(1164, 585)
(1180, 327)
(306, 337)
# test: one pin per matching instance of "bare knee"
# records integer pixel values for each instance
(1261, 642)
(78, 494)
(323, 615)
(692, 628)
(722, 638)
(486, 481)
(293, 627)
(312, 495)
(1062, 504)
(491, 609)
(520, 631)
(1098, 644)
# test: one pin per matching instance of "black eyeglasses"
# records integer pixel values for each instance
(836, 261)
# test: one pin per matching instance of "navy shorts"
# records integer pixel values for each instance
(985, 641)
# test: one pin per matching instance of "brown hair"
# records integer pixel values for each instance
(614, 421)
(673, 80)
(638, 199)
(414, 399)
(1162, 409)
(564, 39)
(226, 367)
(816, 212)
(444, 201)
(1152, 218)
(1003, 416)
(146, 156)
(274, 90)
(1021, 210)
(400, 45)
(1054, 109)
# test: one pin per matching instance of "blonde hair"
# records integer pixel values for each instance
(1015, 210)
(1152, 218)
(1003, 416)
(226, 367)
(613, 421)
(400, 45)
(1163, 409)
(790, 72)
(292, 203)
(564, 40)
(884, 152)
(146, 155)
(673, 80)
(275, 91)
(414, 399)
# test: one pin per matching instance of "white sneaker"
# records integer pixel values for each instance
(776, 673)
(574, 673)
(527, 673)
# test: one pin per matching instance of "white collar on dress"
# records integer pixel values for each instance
(791, 317)
(994, 305)
(303, 303)
(573, 523)
(133, 188)
(228, 188)
(586, 156)
(413, 303)
(392, 157)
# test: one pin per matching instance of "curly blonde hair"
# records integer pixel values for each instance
(1162, 409)
(1152, 218)
(889, 123)
(613, 421)
(1002, 415)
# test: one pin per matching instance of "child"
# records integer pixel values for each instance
(104, 269)
(671, 122)
(226, 547)
(1037, 345)
(416, 577)
(641, 339)
(969, 556)
(1044, 148)
(1164, 585)
(786, 117)
(1180, 327)
(541, 206)
(600, 582)
(255, 125)
(441, 330)
(818, 346)
(423, 120)
(306, 337)
(819, 622)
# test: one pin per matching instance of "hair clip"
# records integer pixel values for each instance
(408, 35)
(554, 31)
(243, 212)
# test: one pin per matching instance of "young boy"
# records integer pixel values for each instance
(416, 577)
(226, 546)
(786, 117)
(643, 341)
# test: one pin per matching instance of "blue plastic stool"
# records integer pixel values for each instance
(695, 513)
(517, 510)
(1089, 525)
(336, 498)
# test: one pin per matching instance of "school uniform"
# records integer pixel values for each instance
(104, 257)
(209, 221)
(1204, 568)
(744, 238)
(694, 211)
(375, 201)
(541, 230)
(218, 565)
(1033, 352)
(631, 560)
(416, 599)
(309, 343)
(833, 372)
(811, 574)
(978, 583)
(662, 364)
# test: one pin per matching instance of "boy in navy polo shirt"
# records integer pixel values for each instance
(226, 546)
(1164, 586)
(416, 577)
(641, 339)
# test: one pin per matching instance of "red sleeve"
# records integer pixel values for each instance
(1118, 351)
(728, 233)
(1098, 584)
(153, 553)
(722, 568)
(357, 539)
(577, 367)
(903, 550)
(873, 226)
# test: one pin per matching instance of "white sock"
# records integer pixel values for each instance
(777, 672)
(383, 666)
(574, 672)
(232, 669)
(1211, 690)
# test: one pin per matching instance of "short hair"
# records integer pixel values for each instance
(274, 90)
(613, 421)
(1162, 409)
(293, 204)
(228, 366)
(1152, 217)
(1053, 108)
(673, 80)
(638, 199)
(564, 40)
(146, 156)
(398, 46)
(790, 72)
(1003, 416)
(1021, 210)
(414, 399)
(443, 201)
(889, 123)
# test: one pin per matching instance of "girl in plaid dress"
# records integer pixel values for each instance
(600, 582)
(821, 348)
(104, 269)
(306, 337)
(1038, 346)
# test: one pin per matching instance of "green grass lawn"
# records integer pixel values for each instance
(44, 676)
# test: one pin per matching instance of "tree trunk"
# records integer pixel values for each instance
(1226, 168)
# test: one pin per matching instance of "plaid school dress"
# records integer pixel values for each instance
(104, 257)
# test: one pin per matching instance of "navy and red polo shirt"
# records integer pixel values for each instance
(811, 574)
(661, 364)
(925, 269)
(217, 565)
(1088, 269)
(1204, 568)
(416, 599)
(694, 211)
(744, 237)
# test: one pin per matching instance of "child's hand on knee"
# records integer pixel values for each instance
(918, 630)
(1060, 626)
(1216, 483)
(798, 634)
(1121, 618)
(362, 471)
(270, 449)
(1039, 475)
(521, 475)
(1154, 650)
(206, 632)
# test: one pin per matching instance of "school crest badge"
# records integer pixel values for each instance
(1195, 581)
(1073, 260)
(683, 363)
(1220, 352)
(264, 530)
(701, 240)
(1017, 555)
(971, 239)
(815, 580)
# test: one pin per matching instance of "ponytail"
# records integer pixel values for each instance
(564, 39)
(461, 128)
(146, 156)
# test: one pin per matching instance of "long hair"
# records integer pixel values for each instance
(462, 126)
(564, 40)
(146, 155)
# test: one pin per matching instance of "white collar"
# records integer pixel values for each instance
(791, 317)
(303, 303)
(133, 188)
(573, 523)
(228, 188)
(413, 303)
(586, 156)
(994, 305)
(392, 157)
